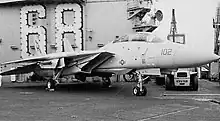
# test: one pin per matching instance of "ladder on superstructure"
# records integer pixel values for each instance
(143, 14)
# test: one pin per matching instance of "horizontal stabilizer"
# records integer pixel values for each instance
(21, 70)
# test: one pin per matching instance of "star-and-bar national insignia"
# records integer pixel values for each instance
(122, 62)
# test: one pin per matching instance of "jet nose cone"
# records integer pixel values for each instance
(203, 55)
(191, 57)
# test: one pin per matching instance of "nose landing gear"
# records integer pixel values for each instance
(140, 90)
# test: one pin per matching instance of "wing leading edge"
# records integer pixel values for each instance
(68, 55)
(100, 56)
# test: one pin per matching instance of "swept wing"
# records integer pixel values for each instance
(87, 60)
(67, 55)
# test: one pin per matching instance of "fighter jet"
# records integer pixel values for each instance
(128, 53)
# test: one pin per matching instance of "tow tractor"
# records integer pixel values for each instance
(183, 77)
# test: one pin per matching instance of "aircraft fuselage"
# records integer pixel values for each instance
(143, 51)
(143, 55)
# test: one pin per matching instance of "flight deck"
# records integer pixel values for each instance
(91, 102)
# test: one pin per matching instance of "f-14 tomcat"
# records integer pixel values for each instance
(124, 55)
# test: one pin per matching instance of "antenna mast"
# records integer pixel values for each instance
(173, 35)
(216, 26)
(173, 29)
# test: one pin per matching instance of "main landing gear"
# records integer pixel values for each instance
(140, 90)
(106, 82)
(51, 83)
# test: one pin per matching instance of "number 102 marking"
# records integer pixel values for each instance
(166, 52)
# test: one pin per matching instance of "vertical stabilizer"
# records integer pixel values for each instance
(38, 48)
(67, 46)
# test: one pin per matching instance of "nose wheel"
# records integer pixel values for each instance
(140, 90)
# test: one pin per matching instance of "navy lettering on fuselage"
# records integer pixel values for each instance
(143, 61)
(166, 51)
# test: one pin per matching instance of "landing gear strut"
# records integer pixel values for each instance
(140, 90)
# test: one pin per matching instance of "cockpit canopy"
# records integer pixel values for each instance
(139, 37)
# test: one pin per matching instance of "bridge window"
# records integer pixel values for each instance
(122, 39)
(139, 37)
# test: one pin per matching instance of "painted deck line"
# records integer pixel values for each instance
(191, 95)
(166, 114)
(214, 83)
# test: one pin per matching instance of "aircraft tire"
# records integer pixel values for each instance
(168, 82)
(136, 91)
(51, 85)
(195, 83)
(106, 82)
